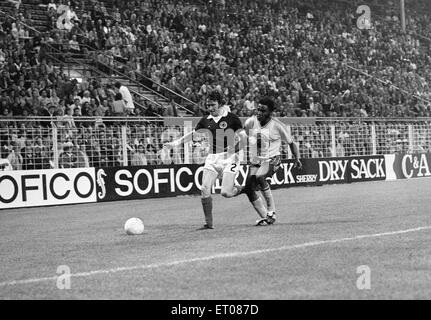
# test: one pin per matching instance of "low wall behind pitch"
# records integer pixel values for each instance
(70, 186)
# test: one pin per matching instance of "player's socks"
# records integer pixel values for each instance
(270, 217)
(260, 208)
(267, 194)
(207, 205)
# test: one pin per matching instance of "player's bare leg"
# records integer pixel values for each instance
(259, 207)
(256, 201)
(267, 195)
(228, 187)
(266, 191)
(208, 180)
(269, 199)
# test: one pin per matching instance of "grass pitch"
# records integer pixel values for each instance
(312, 252)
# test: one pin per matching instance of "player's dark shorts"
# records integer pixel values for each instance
(266, 168)
(257, 174)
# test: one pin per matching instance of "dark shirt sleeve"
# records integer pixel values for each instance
(236, 123)
(201, 124)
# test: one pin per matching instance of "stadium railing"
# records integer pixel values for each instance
(43, 143)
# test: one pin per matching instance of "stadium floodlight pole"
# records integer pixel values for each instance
(403, 16)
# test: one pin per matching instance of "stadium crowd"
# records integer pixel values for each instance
(305, 54)
(294, 50)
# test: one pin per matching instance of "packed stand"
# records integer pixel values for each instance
(32, 85)
(296, 51)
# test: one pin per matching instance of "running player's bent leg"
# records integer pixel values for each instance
(259, 207)
(266, 170)
(250, 191)
(266, 192)
(208, 180)
(228, 187)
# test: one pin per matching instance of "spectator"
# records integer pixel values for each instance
(151, 155)
(118, 105)
(127, 97)
(86, 109)
(67, 119)
(39, 157)
(171, 110)
(77, 112)
(15, 158)
(339, 149)
(93, 152)
(101, 110)
(138, 157)
(51, 5)
(16, 3)
(28, 158)
(68, 158)
(82, 160)
(74, 45)
(86, 97)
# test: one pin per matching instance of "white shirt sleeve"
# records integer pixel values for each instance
(285, 136)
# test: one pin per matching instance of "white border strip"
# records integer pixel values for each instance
(214, 257)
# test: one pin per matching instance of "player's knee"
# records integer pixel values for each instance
(250, 183)
(251, 194)
(261, 180)
(226, 194)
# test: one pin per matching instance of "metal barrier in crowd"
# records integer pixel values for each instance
(44, 143)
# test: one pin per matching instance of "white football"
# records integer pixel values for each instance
(134, 226)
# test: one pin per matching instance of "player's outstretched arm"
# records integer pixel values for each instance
(186, 138)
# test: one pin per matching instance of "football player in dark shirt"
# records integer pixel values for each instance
(224, 129)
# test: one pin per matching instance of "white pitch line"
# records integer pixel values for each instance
(213, 257)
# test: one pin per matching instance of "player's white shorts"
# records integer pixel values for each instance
(222, 162)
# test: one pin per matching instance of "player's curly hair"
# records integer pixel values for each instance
(215, 96)
(268, 101)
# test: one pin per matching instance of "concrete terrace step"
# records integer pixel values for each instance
(6, 8)
(33, 2)
(84, 68)
(38, 14)
(38, 21)
(6, 5)
(41, 15)
(34, 7)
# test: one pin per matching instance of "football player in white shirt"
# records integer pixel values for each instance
(265, 136)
